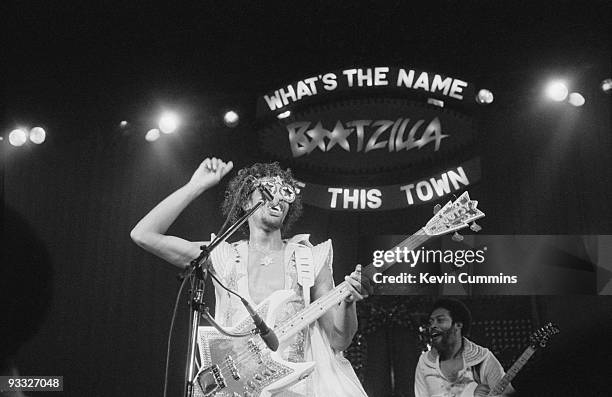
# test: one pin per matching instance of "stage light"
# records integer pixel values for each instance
(576, 99)
(37, 135)
(557, 91)
(284, 115)
(484, 97)
(18, 137)
(231, 118)
(123, 124)
(168, 122)
(606, 86)
(435, 102)
(152, 135)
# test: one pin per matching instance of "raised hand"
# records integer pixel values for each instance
(210, 172)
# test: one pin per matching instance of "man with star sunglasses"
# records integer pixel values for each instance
(265, 262)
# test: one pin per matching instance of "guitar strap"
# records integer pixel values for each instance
(304, 263)
(476, 372)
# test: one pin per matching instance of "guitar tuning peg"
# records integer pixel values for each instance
(437, 208)
(457, 237)
(475, 227)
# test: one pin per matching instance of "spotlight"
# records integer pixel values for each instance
(484, 97)
(576, 99)
(606, 86)
(231, 118)
(37, 135)
(123, 124)
(168, 122)
(284, 115)
(18, 137)
(152, 135)
(557, 91)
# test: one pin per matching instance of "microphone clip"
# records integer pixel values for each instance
(266, 195)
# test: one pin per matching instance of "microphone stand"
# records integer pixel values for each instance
(197, 271)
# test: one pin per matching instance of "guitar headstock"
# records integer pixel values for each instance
(541, 337)
(453, 216)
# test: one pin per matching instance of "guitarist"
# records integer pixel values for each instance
(264, 263)
(455, 366)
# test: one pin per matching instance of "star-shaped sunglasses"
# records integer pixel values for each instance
(276, 185)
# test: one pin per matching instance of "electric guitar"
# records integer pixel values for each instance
(538, 339)
(245, 367)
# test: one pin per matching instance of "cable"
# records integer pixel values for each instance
(172, 322)
(212, 274)
(233, 207)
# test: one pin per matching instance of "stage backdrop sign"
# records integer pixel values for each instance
(362, 136)
(371, 79)
(390, 197)
(373, 122)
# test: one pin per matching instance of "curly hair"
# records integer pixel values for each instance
(458, 311)
(241, 186)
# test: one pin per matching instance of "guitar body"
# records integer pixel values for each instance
(244, 366)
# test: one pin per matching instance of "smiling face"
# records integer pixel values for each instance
(445, 333)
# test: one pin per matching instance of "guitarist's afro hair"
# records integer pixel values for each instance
(459, 312)
(241, 186)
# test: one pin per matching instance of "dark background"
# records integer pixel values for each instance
(80, 68)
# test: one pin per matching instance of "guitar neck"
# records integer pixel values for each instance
(501, 385)
(411, 243)
(320, 306)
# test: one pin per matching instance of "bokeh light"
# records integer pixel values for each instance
(576, 99)
(231, 118)
(557, 91)
(484, 97)
(38, 135)
(18, 137)
(152, 135)
(168, 122)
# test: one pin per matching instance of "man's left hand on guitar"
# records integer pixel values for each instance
(482, 390)
(360, 287)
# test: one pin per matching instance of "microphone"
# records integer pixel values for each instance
(268, 336)
(424, 331)
(265, 193)
(425, 338)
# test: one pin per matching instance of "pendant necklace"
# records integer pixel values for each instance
(268, 256)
